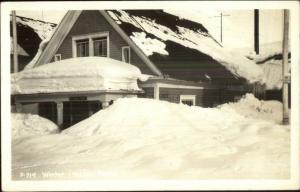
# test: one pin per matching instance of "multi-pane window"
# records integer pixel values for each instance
(82, 48)
(100, 46)
(188, 102)
(126, 54)
(96, 44)
(188, 99)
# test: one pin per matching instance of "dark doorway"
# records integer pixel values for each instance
(76, 111)
(48, 111)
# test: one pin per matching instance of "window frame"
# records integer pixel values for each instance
(101, 39)
(90, 37)
(188, 97)
(123, 55)
(80, 43)
(55, 57)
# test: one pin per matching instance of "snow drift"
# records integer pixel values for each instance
(77, 74)
(149, 139)
(250, 107)
(24, 125)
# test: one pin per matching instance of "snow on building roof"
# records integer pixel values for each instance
(31, 33)
(270, 60)
(77, 74)
(152, 30)
(42, 28)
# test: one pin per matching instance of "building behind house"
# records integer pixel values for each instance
(30, 33)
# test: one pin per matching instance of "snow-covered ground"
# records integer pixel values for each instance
(139, 138)
(26, 125)
(80, 74)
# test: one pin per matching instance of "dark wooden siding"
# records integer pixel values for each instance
(191, 65)
(94, 22)
(204, 97)
(148, 93)
(231, 95)
(22, 62)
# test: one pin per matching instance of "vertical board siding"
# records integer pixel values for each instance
(94, 22)
(148, 93)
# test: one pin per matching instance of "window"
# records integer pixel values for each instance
(82, 48)
(57, 57)
(126, 54)
(100, 46)
(188, 99)
(91, 45)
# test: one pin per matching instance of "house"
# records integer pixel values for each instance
(182, 61)
(30, 33)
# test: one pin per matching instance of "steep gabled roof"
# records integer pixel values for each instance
(149, 32)
(65, 26)
(30, 33)
(168, 39)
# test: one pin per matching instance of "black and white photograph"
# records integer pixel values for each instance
(150, 91)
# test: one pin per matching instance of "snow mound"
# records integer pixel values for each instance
(150, 139)
(24, 125)
(77, 74)
(249, 106)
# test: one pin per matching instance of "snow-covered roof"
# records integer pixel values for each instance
(270, 60)
(42, 28)
(31, 33)
(154, 30)
(78, 74)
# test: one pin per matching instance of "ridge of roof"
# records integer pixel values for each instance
(65, 26)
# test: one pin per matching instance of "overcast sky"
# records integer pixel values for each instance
(238, 26)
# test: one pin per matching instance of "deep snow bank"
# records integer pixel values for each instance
(250, 107)
(77, 74)
(150, 139)
(24, 125)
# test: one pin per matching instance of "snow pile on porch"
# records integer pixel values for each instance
(202, 41)
(139, 138)
(26, 125)
(78, 74)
